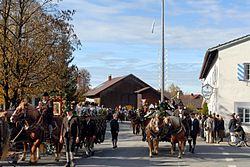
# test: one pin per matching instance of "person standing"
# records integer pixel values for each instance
(221, 129)
(69, 135)
(179, 112)
(210, 129)
(232, 124)
(89, 132)
(114, 125)
(194, 130)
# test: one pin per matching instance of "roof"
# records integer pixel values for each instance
(104, 86)
(195, 100)
(212, 54)
(113, 81)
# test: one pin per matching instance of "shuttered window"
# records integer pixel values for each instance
(247, 71)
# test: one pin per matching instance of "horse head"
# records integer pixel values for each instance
(173, 121)
(24, 112)
(156, 123)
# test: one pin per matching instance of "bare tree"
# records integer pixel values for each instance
(83, 83)
(174, 90)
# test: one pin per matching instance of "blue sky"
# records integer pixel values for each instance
(116, 37)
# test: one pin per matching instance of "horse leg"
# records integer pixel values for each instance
(150, 147)
(25, 146)
(57, 152)
(38, 153)
(33, 158)
(150, 144)
(172, 150)
(156, 146)
(133, 129)
(180, 149)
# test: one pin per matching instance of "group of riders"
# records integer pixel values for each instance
(37, 127)
(166, 122)
(81, 126)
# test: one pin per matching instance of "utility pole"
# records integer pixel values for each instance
(163, 55)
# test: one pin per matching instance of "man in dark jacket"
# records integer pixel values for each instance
(70, 135)
(47, 111)
(232, 123)
(114, 126)
(194, 130)
(89, 131)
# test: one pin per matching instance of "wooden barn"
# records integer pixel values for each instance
(125, 91)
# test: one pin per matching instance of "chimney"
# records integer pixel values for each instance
(110, 77)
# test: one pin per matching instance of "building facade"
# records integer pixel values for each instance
(124, 91)
(226, 68)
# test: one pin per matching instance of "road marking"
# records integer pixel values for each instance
(229, 159)
(232, 166)
(224, 153)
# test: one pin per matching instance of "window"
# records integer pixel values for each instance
(244, 114)
(247, 71)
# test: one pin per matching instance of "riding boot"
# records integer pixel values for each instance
(190, 148)
(115, 143)
(50, 131)
(68, 160)
(193, 149)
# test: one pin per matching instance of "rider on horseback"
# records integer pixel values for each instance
(47, 111)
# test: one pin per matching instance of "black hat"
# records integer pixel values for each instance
(45, 94)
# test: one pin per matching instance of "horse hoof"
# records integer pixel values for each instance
(22, 159)
(32, 162)
(179, 157)
(57, 160)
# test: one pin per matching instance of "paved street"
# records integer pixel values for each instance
(132, 151)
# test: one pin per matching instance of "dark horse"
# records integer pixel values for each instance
(33, 126)
(135, 121)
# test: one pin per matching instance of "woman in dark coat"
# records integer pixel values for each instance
(114, 126)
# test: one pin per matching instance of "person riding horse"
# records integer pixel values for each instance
(184, 116)
(47, 111)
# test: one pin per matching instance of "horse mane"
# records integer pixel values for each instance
(26, 105)
(175, 121)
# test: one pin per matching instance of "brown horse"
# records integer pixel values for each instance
(153, 130)
(4, 135)
(135, 122)
(33, 126)
(177, 132)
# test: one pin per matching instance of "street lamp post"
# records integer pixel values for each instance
(163, 55)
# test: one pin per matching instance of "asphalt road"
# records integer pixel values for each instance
(132, 151)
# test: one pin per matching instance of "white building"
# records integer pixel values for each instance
(226, 68)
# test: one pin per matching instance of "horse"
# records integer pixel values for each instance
(4, 135)
(153, 130)
(33, 125)
(135, 122)
(178, 133)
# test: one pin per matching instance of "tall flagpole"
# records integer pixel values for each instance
(163, 55)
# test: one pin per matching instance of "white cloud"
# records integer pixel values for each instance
(190, 24)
